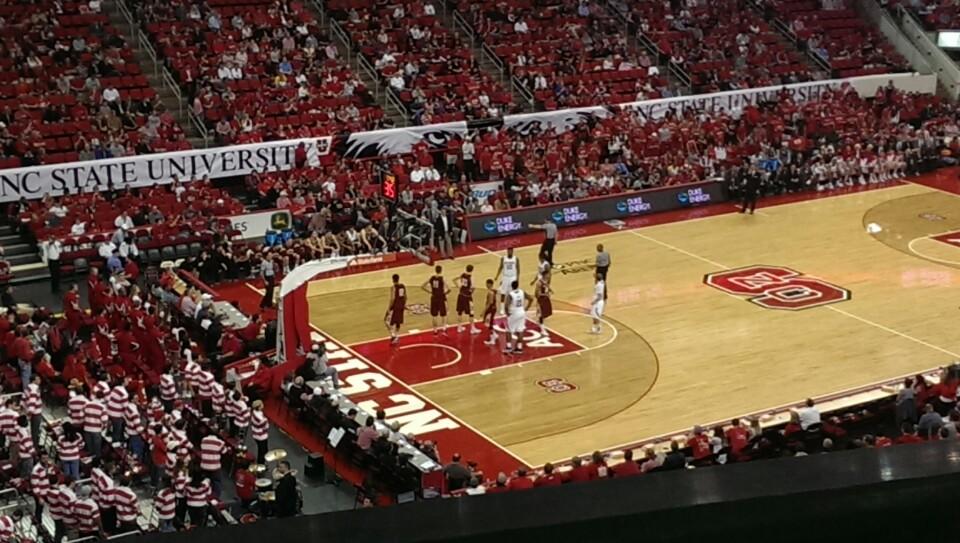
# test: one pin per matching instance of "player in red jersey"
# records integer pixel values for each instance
(544, 305)
(490, 312)
(465, 299)
(393, 318)
(438, 290)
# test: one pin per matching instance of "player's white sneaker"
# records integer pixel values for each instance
(474, 330)
(543, 330)
(395, 340)
(459, 328)
(492, 340)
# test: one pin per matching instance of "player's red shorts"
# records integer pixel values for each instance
(464, 305)
(546, 306)
(396, 316)
(489, 313)
(438, 307)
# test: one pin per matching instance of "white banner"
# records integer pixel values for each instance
(483, 191)
(148, 170)
(217, 162)
(255, 225)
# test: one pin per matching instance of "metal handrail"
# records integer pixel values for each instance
(342, 36)
(493, 57)
(524, 92)
(200, 126)
(171, 84)
(461, 22)
(365, 65)
(398, 105)
(148, 48)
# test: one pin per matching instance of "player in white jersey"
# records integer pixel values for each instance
(543, 269)
(508, 272)
(599, 301)
(518, 302)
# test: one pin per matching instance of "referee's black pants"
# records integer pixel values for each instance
(546, 248)
(54, 267)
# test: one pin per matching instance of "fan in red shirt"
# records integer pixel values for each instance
(738, 437)
(700, 447)
(628, 468)
(521, 481)
(579, 473)
(908, 434)
(548, 477)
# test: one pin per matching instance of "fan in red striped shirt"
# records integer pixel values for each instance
(26, 451)
(94, 422)
(6, 529)
(8, 417)
(168, 391)
(165, 504)
(68, 450)
(260, 428)
(116, 401)
(239, 413)
(205, 391)
(87, 513)
(212, 449)
(198, 499)
(133, 427)
(128, 508)
(40, 483)
(75, 406)
(33, 406)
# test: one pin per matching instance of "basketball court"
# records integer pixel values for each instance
(707, 319)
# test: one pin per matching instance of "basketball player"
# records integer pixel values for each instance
(599, 300)
(518, 302)
(602, 263)
(398, 304)
(490, 312)
(510, 269)
(465, 299)
(438, 290)
(543, 268)
(544, 305)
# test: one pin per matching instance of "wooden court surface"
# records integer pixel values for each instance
(677, 352)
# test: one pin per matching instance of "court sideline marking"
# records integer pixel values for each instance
(829, 307)
(913, 250)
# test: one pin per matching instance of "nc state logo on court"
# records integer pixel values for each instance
(776, 287)
(556, 385)
(418, 309)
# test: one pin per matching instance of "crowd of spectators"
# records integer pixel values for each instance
(934, 14)
(834, 31)
(427, 67)
(70, 89)
(721, 46)
(566, 53)
(150, 422)
(258, 71)
(922, 410)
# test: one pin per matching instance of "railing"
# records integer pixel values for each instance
(662, 59)
(365, 65)
(462, 23)
(785, 31)
(395, 102)
(881, 19)
(524, 92)
(200, 126)
(946, 69)
(337, 29)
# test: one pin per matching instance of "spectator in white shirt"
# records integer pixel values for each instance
(428, 9)
(110, 95)
(105, 250)
(809, 415)
(123, 221)
(79, 228)
(520, 27)
(128, 248)
(94, 6)
(397, 82)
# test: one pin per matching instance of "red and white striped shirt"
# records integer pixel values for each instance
(180, 484)
(8, 421)
(94, 417)
(24, 443)
(55, 500)
(205, 385)
(101, 389)
(68, 450)
(219, 397)
(32, 403)
(75, 406)
(87, 515)
(40, 482)
(126, 503)
(116, 401)
(241, 413)
(165, 504)
(211, 451)
(260, 425)
(199, 496)
(133, 424)
(6, 528)
(168, 388)
(102, 488)
(191, 372)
